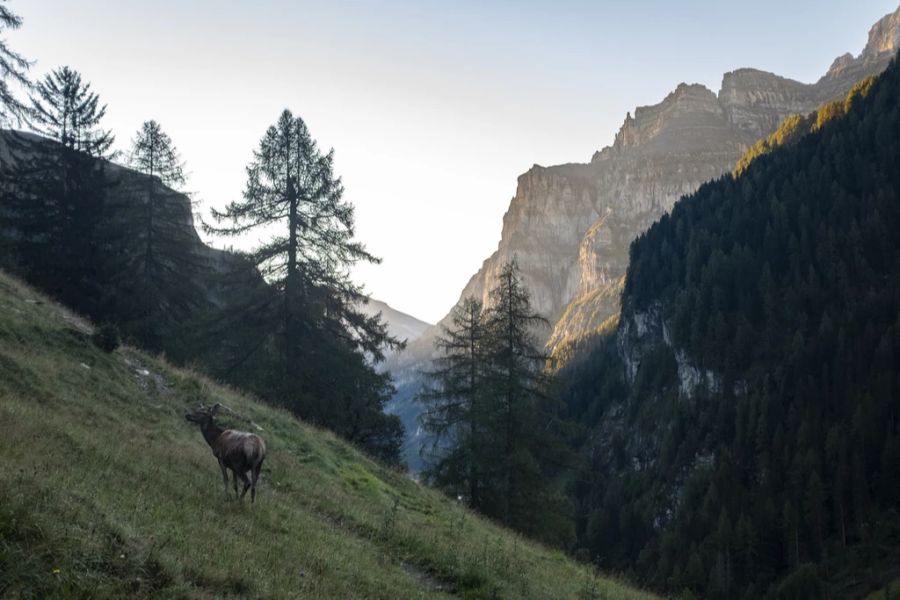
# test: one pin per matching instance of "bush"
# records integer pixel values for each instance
(804, 583)
(106, 337)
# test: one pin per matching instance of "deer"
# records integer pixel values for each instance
(240, 451)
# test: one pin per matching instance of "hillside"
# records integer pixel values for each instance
(106, 492)
(745, 410)
(570, 226)
(122, 248)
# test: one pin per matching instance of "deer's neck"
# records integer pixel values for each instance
(211, 432)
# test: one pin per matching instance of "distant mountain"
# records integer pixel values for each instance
(570, 226)
(400, 325)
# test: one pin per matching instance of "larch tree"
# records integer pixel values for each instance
(154, 154)
(517, 381)
(321, 344)
(454, 405)
(57, 205)
(500, 438)
(158, 268)
(66, 110)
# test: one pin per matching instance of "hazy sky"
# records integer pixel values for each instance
(433, 108)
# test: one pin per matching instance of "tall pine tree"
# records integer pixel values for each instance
(518, 385)
(317, 344)
(455, 405)
(501, 439)
(159, 275)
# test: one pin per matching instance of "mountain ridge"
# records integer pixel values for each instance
(660, 154)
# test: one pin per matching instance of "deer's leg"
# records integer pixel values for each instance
(234, 476)
(255, 475)
(224, 475)
(246, 481)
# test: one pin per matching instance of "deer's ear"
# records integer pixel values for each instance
(215, 408)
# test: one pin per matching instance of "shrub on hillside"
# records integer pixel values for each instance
(106, 337)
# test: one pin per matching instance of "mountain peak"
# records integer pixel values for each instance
(882, 45)
(884, 37)
(685, 106)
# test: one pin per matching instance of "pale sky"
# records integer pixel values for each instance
(433, 108)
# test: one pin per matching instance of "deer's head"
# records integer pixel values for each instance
(203, 415)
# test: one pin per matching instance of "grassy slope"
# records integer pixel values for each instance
(106, 490)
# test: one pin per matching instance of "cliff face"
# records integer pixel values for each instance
(661, 153)
(125, 205)
(669, 149)
(570, 226)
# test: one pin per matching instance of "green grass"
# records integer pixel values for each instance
(106, 492)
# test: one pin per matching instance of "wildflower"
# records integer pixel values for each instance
(56, 570)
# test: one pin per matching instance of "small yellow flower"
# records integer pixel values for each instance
(56, 570)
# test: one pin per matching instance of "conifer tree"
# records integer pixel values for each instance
(57, 205)
(154, 154)
(517, 381)
(319, 342)
(13, 70)
(497, 425)
(454, 404)
(159, 275)
(66, 110)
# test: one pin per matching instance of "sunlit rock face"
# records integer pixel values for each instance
(884, 40)
(755, 102)
(570, 226)
(662, 152)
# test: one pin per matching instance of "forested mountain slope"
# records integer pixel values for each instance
(745, 418)
(570, 226)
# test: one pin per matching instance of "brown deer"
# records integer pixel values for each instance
(239, 451)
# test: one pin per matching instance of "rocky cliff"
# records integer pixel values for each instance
(668, 150)
(570, 226)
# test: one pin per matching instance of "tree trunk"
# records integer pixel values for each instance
(291, 283)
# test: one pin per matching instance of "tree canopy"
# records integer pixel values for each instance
(64, 109)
